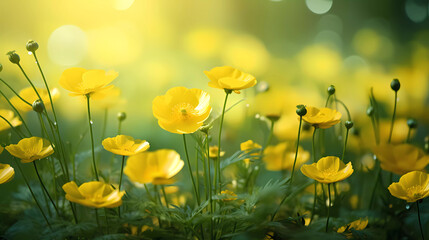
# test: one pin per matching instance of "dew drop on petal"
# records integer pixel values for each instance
(30, 53)
(407, 207)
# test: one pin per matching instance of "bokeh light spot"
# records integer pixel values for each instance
(319, 6)
(416, 12)
(67, 45)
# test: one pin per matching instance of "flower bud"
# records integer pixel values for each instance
(412, 123)
(395, 84)
(301, 110)
(121, 116)
(331, 89)
(370, 111)
(32, 46)
(348, 124)
(13, 57)
(38, 106)
(205, 128)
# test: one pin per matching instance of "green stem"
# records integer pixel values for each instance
(270, 136)
(210, 185)
(122, 172)
(43, 128)
(329, 207)
(227, 92)
(197, 173)
(190, 170)
(378, 174)
(32, 194)
(313, 149)
(120, 181)
(393, 118)
(297, 147)
(12, 127)
(420, 222)
(103, 131)
(22, 99)
(44, 188)
(148, 193)
(345, 107)
(119, 127)
(17, 113)
(92, 138)
(56, 126)
(408, 135)
(293, 169)
(327, 100)
(165, 195)
(345, 144)
(96, 218)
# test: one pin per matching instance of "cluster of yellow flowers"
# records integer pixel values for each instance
(185, 111)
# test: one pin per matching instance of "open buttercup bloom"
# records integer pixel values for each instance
(31, 149)
(401, 158)
(247, 146)
(9, 116)
(281, 157)
(125, 145)
(230, 78)
(356, 225)
(182, 110)
(322, 118)
(157, 167)
(80, 82)
(328, 170)
(6, 173)
(93, 194)
(29, 95)
(213, 150)
(411, 187)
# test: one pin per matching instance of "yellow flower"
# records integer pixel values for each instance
(93, 194)
(328, 170)
(125, 145)
(411, 187)
(227, 195)
(9, 116)
(213, 152)
(29, 95)
(357, 225)
(247, 146)
(156, 167)
(182, 110)
(229, 78)
(281, 157)
(31, 149)
(6, 173)
(401, 158)
(80, 81)
(322, 118)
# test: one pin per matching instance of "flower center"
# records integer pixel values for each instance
(183, 111)
(415, 191)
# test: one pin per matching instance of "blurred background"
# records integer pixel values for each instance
(297, 48)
